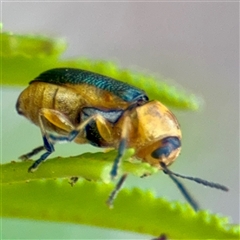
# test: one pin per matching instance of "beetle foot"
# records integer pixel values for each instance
(24, 157)
(109, 203)
(32, 169)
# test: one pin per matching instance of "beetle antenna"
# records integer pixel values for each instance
(181, 187)
(197, 180)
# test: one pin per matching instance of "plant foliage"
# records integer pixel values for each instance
(25, 56)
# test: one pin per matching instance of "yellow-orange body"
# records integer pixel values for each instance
(148, 124)
(87, 107)
(68, 99)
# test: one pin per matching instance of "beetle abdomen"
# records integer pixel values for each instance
(40, 95)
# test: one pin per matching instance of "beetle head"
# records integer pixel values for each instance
(159, 134)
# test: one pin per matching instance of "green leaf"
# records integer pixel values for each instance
(46, 194)
(93, 166)
(38, 196)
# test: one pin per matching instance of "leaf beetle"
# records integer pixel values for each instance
(86, 107)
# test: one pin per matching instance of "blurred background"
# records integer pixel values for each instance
(194, 43)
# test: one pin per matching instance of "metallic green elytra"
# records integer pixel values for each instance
(77, 76)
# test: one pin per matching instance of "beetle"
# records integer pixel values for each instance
(87, 107)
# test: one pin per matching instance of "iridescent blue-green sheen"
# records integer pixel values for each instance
(78, 76)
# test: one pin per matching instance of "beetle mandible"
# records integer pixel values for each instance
(87, 107)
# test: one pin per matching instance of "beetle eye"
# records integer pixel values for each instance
(169, 144)
(18, 108)
(161, 151)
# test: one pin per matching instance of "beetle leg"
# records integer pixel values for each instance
(116, 190)
(102, 124)
(55, 117)
(32, 153)
(49, 147)
(121, 148)
(58, 119)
